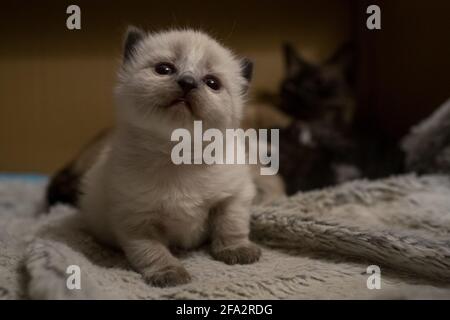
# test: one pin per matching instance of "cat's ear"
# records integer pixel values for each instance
(294, 63)
(133, 36)
(344, 58)
(247, 69)
(247, 72)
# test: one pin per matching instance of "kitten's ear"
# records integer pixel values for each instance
(343, 55)
(247, 72)
(344, 58)
(132, 38)
(247, 69)
(294, 63)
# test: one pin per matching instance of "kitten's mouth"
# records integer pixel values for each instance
(182, 102)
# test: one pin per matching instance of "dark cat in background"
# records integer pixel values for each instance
(328, 143)
(319, 93)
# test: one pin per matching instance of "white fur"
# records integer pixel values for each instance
(135, 197)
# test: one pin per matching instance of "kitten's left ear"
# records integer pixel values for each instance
(247, 72)
(133, 36)
(247, 69)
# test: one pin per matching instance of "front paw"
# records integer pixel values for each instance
(244, 254)
(167, 277)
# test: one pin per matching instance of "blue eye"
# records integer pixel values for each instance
(165, 68)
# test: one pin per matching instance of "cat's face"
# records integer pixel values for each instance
(315, 92)
(172, 78)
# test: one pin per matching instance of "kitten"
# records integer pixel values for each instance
(319, 92)
(329, 142)
(134, 197)
(313, 148)
(64, 185)
(313, 156)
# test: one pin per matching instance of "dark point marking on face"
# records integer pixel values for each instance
(187, 83)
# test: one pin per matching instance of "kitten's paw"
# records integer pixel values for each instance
(244, 254)
(167, 277)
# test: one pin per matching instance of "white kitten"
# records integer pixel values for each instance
(134, 197)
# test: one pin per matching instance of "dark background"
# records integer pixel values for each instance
(56, 84)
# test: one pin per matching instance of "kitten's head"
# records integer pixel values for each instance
(317, 92)
(169, 79)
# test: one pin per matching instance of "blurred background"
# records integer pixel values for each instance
(56, 84)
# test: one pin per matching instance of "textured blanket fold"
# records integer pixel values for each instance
(397, 223)
(315, 245)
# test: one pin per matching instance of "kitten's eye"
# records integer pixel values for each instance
(212, 82)
(165, 68)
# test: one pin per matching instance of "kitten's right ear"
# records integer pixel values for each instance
(247, 73)
(294, 63)
(247, 69)
(133, 37)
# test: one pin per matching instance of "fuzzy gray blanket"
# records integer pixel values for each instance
(315, 245)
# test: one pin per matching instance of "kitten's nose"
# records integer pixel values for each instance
(187, 83)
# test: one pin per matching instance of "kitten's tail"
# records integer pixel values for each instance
(64, 186)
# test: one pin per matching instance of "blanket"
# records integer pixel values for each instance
(315, 245)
